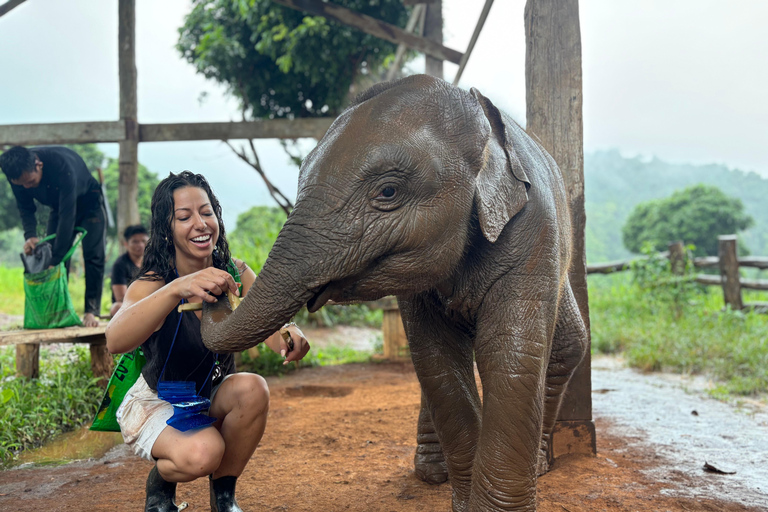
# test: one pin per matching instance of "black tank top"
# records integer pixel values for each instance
(189, 360)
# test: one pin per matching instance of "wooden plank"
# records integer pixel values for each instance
(374, 27)
(62, 133)
(10, 4)
(64, 335)
(268, 129)
(749, 284)
(760, 262)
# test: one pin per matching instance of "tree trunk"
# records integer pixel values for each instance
(554, 117)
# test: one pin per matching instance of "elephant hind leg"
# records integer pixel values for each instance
(569, 345)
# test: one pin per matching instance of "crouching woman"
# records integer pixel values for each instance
(186, 260)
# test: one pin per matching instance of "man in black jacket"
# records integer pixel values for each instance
(58, 177)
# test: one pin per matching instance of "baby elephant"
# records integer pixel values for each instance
(430, 193)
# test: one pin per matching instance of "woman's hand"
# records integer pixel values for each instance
(300, 344)
(205, 284)
(293, 351)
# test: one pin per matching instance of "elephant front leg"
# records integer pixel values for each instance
(429, 461)
(511, 352)
(442, 357)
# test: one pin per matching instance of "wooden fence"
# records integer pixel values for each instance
(727, 261)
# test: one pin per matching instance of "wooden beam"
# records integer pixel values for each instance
(128, 160)
(62, 133)
(373, 27)
(475, 35)
(63, 335)
(270, 129)
(10, 4)
(394, 68)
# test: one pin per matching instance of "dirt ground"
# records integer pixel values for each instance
(343, 438)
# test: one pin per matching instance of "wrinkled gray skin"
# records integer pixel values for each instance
(429, 193)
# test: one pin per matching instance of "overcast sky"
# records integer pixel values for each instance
(683, 80)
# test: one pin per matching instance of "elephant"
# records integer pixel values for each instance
(428, 192)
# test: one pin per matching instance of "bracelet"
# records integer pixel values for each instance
(287, 336)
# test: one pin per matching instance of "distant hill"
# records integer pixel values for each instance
(613, 185)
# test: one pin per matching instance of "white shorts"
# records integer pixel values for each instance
(142, 417)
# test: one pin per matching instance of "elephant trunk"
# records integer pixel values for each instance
(287, 281)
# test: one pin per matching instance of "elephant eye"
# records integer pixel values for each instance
(387, 192)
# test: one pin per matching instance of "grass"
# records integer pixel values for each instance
(33, 411)
(696, 336)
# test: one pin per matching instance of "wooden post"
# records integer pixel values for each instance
(677, 257)
(433, 30)
(554, 117)
(729, 271)
(395, 340)
(101, 363)
(128, 186)
(28, 360)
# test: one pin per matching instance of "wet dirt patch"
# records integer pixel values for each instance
(317, 391)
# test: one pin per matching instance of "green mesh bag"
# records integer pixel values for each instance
(124, 376)
(47, 304)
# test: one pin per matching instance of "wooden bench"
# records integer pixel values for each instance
(28, 341)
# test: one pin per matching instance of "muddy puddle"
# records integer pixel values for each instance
(684, 428)
(76, 445)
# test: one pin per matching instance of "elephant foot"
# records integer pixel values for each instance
(542, 465)
(429, 462)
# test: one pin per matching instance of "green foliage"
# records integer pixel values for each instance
(696, 215)
(255, 234)
(32, 411)
(728, 346)
(664, 289)
(278, 61)
(614, 185)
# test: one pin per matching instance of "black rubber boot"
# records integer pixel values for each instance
(160, 494)
(223, 494)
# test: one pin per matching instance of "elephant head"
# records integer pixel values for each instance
(387, 204)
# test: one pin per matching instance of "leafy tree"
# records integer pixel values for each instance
(280, 62)
(696, 215)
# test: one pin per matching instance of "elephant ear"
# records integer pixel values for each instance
(502, 185)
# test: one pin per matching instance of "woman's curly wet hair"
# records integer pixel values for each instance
(160, 254)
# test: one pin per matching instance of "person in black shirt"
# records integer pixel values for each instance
(127, 266)
(57, 177)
